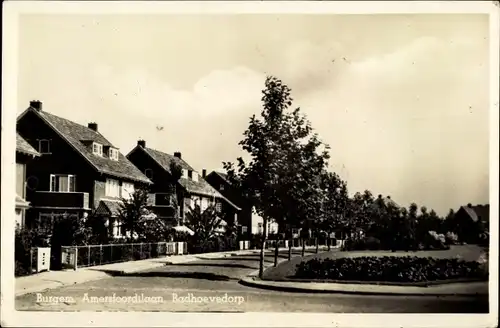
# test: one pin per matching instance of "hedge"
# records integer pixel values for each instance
(389, 269)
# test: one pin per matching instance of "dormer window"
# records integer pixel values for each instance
(44, 146)
(97, 149)
(185, 173)
(113, 154)
(195, 176)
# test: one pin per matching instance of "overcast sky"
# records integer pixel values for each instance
(402, 100)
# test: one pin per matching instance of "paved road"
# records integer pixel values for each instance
(212, 278)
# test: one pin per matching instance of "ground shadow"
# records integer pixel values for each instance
(177, 274)
(222, 265)
(256, 259)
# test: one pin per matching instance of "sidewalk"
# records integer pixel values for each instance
(55, 279)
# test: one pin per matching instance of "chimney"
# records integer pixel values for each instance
(204, 173)
(36, 104)
(178, 155)
(93, 126)
(469, 205)
(141, 143)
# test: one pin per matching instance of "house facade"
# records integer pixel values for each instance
(471, 220)
(77, 173)
(249, 220)
(25, 153)
(189, 190)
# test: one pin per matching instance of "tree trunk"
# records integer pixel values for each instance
(276, 252)
(290, 248)
(262, 246)
(303, 246)
(317, 244)
(328, 241)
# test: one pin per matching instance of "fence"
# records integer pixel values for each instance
(91, 255)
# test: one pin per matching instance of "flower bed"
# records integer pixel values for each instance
(389, 269)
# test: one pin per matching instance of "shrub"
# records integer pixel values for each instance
(25, 240)
(365, 243)
(389, 269)
(451, 238)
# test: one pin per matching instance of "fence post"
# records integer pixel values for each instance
(140, 251)
(100, 254)
(31, 260)
(88, 256)
(76, 257)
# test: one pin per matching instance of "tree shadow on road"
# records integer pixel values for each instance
(221, 265)
(177, 274)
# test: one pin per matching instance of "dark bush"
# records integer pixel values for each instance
(389, 269)
(25, 240)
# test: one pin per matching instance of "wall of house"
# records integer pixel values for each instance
(257, 225)
(62, 160)
(160, 177)
(243, 217)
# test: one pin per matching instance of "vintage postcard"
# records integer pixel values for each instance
(249, 163)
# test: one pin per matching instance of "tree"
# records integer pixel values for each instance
(284, 163)
(135, 214)
(335, 203)
(205, 224)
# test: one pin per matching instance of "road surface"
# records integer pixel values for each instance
(212, 285)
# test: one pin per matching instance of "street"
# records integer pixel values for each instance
(183, 287)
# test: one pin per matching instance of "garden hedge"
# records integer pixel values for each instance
(389, 269)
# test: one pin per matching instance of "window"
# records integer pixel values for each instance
(190, 174)
(112, 188)
(184, 173)
(62, 183)
(44, 146)
(127, 190)
(149, 173)
(97, 149)
(20, 179)
(218, 207)
(113, 154)
(195, 176)
(244, 229)
(221, 188)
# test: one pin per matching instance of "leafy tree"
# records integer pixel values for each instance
(335, 204)
(135, 215)
(281, 179)
(205, 224)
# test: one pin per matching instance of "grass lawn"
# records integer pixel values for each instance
(287, 268)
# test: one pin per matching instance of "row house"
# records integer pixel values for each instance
(78, 171)
(25, 153)
(189, 190)
(250, 222)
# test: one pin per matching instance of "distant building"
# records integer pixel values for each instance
(78, 171)
(250, 222)
(470, 220)
(191, 188)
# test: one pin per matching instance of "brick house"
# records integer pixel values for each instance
(191, 188)
(79, 171)
(25, 153)
(250, 222)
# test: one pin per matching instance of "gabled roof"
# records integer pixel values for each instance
(75, 134)
(200, 187)
(478, 212)
(109, 208)
(223, 176)
(22, 146)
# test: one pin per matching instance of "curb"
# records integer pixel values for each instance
(296, 288)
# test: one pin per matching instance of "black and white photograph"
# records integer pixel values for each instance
(245, 160)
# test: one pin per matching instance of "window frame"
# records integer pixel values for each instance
(99, 148)
(113, 154)
(150, 175)
(110, 185)
(48, 142)
(55, 185)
